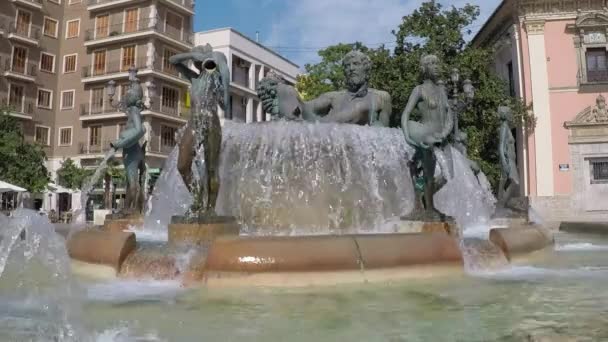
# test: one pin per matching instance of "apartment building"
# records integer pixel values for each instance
(249, 62)
(57, 57)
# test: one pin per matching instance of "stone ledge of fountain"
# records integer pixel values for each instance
(95, 246)
(120, 224)
(330, 253)
(201, 232)
(516, 241)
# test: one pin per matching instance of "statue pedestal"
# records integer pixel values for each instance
(116, 223)
(186, 231)
(515, 210)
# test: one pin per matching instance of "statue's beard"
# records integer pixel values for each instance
(355, 83)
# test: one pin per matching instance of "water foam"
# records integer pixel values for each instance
(583, 246)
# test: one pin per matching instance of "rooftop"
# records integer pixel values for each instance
(262, 46)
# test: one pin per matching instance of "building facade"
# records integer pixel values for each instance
(57, 56)
(554, 55)
(249, 62)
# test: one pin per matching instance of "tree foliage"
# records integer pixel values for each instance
(71, 175)
(21, 163)
(440, 31)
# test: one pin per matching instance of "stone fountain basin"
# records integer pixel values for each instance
(234, 260)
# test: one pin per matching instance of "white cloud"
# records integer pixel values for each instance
(304, 26)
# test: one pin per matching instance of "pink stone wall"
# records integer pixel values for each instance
(562, 65)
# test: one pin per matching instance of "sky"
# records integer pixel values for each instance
(297, 29)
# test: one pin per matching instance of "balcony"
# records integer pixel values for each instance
(106, 112)
(114, 70)
(86, 148)
(32, 4)
(142, 28)
(27, 34)
(185, 6)
(21, 72)
(19, 109)
(111, 70)
(98, 5)
(94, 113)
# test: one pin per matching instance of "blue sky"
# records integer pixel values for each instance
(298, 28)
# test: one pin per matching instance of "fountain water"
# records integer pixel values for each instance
(285, 178)
(34, 257)
(89, 186)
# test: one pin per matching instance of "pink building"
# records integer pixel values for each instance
(554, 55)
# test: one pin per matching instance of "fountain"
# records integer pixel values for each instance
(295, 203)
(313, 197)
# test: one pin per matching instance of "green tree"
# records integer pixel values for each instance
(21, 163)
(430, 29)
(71, 175)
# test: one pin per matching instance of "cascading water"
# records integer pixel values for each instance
(286, 178)
(89, 186)
(35, 282)
(300, 178)
(466, 198)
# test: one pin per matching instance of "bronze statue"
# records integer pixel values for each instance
(430, 135)
(509, 177)
(202, 138)
(358, 104)
(133, 153)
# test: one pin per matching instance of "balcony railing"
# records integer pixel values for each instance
(147, 24)
(179, 111)
(98, 148)
(35, 2)
(26, 31)
(87, 109)
(25, 70)
(16, 106)
(112, 67)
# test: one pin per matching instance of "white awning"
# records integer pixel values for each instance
(7, 187)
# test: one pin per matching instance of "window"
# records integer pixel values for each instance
(128, 57)
(167, 136)
(99, 62)
(67, 99)
(511, 79)
(72, 28)
(47, 62)
(19, 59)
(97, 100)
(50, 27)
(168, 67)
(95, 136)
(55, 1)
(599, 170)
(43, 135)
(597, 68)
(69, 63)
(123, 89)
(45, 98)
(72, 2)
(16, 97)
(169, 98)
(22, 25)
(65, 136)
(131, 20)
(102, 26)
(173, 24)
